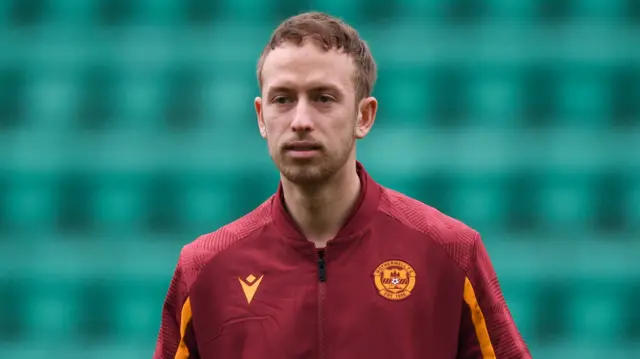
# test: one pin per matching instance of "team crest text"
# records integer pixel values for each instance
(394, 279)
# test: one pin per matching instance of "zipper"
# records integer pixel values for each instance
(322, 292)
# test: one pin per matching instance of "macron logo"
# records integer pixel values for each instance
(250, 286)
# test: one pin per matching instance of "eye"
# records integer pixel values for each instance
(325, 98)
(281, 100)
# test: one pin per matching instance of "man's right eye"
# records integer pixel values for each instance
(280, 100)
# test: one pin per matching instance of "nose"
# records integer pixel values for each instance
(302, 118)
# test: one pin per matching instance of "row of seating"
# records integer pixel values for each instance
(449, 98)
(115, 12)
(120, 309)
(173, 203)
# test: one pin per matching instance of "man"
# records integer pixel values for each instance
(333, 265)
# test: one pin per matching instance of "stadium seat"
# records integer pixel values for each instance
(633, 204)
(12, 308)
(403, 96)
(13, 86)
(522, 11)
(494, 98)
(624, 89)
(583, 98)
(207, 202)
(567, 202)
(448, 87)
(595, 314)
(69, 12)
(551, 319)
(539, 95)
(479, 201)
(96, 319)
(161, 198)
(51, 311)
(118, 205)
(609, 194)
(97, 105)
(135, 320)
(29, 205)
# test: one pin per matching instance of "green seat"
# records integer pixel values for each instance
(479, 201)
(14, 85)
(71, 12)
(161, 196)
(96, 106)
(522, 11)
(161, 12)
(522, 205)
(609, 197)
(520, 298)
(347, 10)
(595, 313)
(206, 203)
(404, 100)
(95, 320)
(52, 316)
(248, 11)
(539, 95)
(599, 10)
(118, 206)
(228, 96)
(566, 200)
(583, 101)
(4, 12)
(137, 310)
(633, 205)
(448, 88)
(30, 203)
(493, 97)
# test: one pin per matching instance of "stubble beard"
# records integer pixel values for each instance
(314, 171)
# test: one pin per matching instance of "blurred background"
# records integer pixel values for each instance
(127, 129)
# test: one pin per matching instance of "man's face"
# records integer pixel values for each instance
(308, 112)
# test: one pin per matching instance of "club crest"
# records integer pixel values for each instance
(394, 279)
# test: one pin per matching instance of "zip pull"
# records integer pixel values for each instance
(322, 272)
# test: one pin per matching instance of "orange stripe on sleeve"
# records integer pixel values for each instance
(185, 318)
(478, 321)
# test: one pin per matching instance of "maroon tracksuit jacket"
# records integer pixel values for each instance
(401, 280)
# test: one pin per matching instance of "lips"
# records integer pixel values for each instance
(302, 146)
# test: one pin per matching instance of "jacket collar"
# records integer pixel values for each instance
(364, 210)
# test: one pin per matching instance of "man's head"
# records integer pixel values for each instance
(316, 77)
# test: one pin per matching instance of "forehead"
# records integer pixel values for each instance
(307, 65)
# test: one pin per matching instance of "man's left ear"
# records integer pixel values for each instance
(367, 109)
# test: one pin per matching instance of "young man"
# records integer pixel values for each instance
(333, 265)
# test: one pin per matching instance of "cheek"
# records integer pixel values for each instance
(274, 129)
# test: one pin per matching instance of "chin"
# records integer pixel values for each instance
(307, 172)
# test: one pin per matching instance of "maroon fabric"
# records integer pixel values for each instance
(294, 315)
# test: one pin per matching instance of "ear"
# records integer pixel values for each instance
(367, 110)
(258, 105)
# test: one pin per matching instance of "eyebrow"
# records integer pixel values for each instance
(314, 88)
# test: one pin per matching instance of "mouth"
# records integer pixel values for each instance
(302, 146)
(302, 150)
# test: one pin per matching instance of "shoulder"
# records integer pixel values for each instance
(454, 236)
(196, 254)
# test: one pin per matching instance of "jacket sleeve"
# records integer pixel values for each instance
(176, 339)
(487, 329)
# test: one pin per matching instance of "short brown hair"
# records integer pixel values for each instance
(329, 33)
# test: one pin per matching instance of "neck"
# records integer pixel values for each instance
(320, 211)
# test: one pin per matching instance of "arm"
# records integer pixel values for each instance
(487, 329)
(176, 339)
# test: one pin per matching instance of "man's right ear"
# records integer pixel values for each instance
(258, 105)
